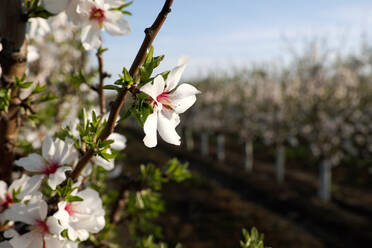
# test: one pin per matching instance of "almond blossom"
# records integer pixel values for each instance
(56, 6)
(44, 230)
(57, 156)
(82, 217)
(97, 15)
(167, 102)
(21, 188)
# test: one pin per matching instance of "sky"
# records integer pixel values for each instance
(219, 35)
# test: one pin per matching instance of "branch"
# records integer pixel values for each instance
(127, 184)
(102, 75)
(151, 33)
(13, 59)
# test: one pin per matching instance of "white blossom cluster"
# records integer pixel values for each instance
(23, 205)
(319, 102)
(93, 16)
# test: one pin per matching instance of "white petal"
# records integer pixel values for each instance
(184, 90)
(27, 213)
(53, 242)
(28, 240)
(167, 130)
(115, 23)
(32, 162)
(53, 225)
(181, 105)
(90, 36)
(5, 244)
(55, 6)
(176, 73)
(107, 165)
(48, 148)
(62, 215)
(154, 89)
(3, 189)
(150, 128)
(119, 141)
(58, 177)
(29, 186)
(72, 14)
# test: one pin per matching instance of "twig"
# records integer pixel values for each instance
(120, 99)
(102, 75)
(123, 197)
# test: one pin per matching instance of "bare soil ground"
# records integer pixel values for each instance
(210, 209)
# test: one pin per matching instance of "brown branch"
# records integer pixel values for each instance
(13, 59)
(101, 75)
(151, 33)
(127, 184)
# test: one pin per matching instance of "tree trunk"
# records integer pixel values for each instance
(248, 161)
(204, 144)
(189, 139)
(221, 147)
(325, 181)
(13, 59)
(280, 163)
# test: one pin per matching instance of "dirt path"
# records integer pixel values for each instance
(212, 212)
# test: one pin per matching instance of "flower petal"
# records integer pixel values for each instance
(55, 6)
(58, 177)
(90, 36)
(107, 165)
(119, 141)
(30, 239)
(48, 148)
(154, 89)
(176, 73)
(181, 105)
(32, 162)
(115, 23)
(150, 128)
(167, 130)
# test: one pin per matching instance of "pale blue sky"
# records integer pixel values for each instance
(219, 34)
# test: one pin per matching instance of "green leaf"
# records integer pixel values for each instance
(73, 198)
(25, 85)
(38, 89)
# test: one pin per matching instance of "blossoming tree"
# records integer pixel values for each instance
(57, 139)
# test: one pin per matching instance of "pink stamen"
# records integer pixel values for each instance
(164, 99)
(6, 203)
(51, 168)
(69, 209)
(97, 14)
(42, 226)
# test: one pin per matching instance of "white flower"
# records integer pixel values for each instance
(56, 154)
(44, 231)
(32, 54)
(23, 188)
(97, 15)
(167, 102)
(82, 217)
(55, 6)
(5, 244)
(39, 27)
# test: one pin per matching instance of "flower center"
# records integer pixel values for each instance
(6, 203)
(41, 226)
(164, 99)
(69, 209)
(97, 14)
(51, 168)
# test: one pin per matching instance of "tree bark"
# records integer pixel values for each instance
(13, 59)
